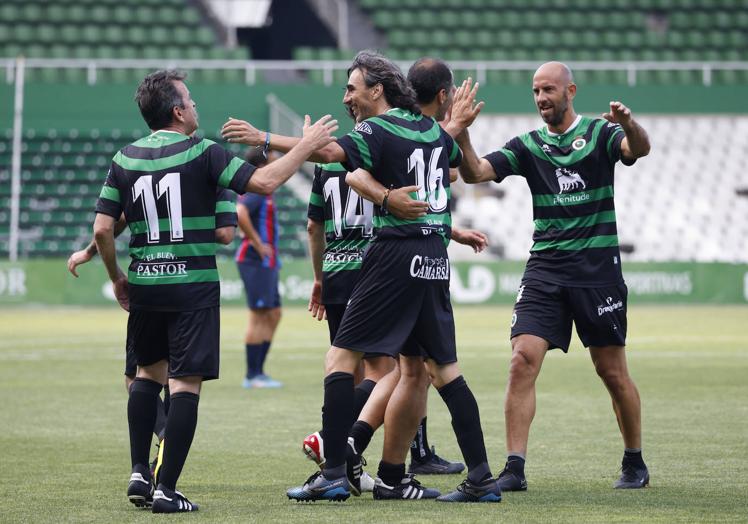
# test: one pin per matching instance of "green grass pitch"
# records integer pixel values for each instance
(64, 434)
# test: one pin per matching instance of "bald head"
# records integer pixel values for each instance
(554, 90)
(556, 72)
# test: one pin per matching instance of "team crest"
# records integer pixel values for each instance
(363, 127)
(578, 143)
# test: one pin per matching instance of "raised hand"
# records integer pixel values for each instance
(470, 237)
(403, 206)
(464, 108)
(619, 114)
(242, 132)
(319, 134)
(315, 301)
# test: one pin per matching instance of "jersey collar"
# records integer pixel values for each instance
(571, 127)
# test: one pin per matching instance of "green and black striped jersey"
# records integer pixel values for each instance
(348, 230)
(166, 184)
(399, 149)
(571, 180)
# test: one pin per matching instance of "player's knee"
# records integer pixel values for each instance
(614, 378)
(341, 360)
(523, 363)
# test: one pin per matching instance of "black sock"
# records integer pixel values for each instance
(361, 432)
(254, 353)
(516, 464)
(391, 474)
(419, 447)
(633, 457)
(160, 425)
(337, 417)
(142, 408)
(180, 429)
(466, 424)
(361, 394)
(263, 355)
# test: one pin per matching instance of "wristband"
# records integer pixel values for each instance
(267, 145)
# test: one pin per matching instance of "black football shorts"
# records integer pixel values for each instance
(188, 340)
(548, 310)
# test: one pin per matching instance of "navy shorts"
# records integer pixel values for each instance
(548, 310)
(401, 301)
(261, 286)
(188, 340)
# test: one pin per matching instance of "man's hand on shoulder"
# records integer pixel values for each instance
(401, 205)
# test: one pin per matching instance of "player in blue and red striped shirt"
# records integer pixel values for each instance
(258, 263)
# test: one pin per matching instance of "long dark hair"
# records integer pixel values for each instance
(377, 69)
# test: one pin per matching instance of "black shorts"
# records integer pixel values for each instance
(188, 340)
(131, 361)
(548, 310)
(401, 299)
(334, 317)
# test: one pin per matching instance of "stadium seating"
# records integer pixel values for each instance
(132, 29)
(569, 30)
(679, 203)
(61, 179)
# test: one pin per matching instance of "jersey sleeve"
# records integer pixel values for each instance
(225, 209)
(453, 150)
(226, 169)
(110, 197)
(506, 161)
(362, 146)
(612, 135)
(316, 210)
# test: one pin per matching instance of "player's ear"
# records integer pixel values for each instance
(572, 89)
(377, 91)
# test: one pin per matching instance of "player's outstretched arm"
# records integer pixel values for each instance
(104, 237)
(87, 253)
(242, 132)
(316, 136)
(316, 233)
(473, 169)
(464, 109)
(636, 143)
(398, 201)
(470, 237)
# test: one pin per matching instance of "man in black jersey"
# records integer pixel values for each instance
(403, 290)
(166, 186)
(226, 221)
(574, 271)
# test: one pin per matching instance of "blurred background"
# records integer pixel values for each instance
(69, 69)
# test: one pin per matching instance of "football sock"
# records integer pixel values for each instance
(419, 448)
(160, 424)
(466, 424)
(361, 432)
(361, 394)
(391, 474)
(180, 429)
(516, 464)
(633, 456)
(264, 355)
(142, 406)
(337, 418)
(254, 354)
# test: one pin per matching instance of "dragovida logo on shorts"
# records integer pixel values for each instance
(429, 268)
(609, 307)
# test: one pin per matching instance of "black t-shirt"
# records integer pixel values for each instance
(402, 149)
(348, 229)
(571, 180)
(167, 186)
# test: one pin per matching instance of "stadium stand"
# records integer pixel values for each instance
(702, 216)
(61, 179)
(125, 29)
(568, 30)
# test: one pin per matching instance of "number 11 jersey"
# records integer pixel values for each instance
(166, 185)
